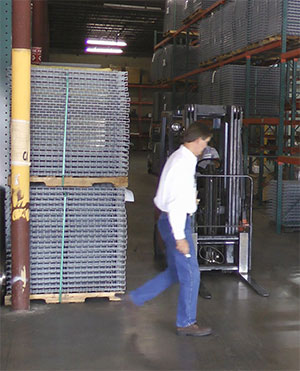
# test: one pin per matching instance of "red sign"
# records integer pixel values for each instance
(36, 55)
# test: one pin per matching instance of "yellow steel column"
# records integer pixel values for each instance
(20, 153)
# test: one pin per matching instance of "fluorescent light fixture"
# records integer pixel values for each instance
(96, 50)
(132, 7)
(105, 42)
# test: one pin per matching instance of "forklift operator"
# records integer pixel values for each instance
(176, 199)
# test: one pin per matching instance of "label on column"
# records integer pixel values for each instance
(20, 146)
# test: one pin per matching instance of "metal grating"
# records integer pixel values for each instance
(174, 14)
(97, 141)
(95, 239)
(97, 144)
(227, 85)
(240, 23)
(290, 212)
(191, 6)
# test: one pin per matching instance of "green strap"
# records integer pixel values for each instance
(65, 194)
(62, 248)
(65, 130)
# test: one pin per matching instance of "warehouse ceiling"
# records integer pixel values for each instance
(71, 22)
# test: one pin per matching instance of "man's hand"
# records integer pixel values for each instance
(183, 246)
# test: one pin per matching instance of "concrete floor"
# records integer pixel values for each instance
(250, 332)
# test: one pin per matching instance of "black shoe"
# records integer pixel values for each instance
(193, 330)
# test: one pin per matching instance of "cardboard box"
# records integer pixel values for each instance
(116, 68)
(145, 77)
(134, 75)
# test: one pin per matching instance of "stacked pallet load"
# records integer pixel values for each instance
(227, 85)
(172, 61)
(240, 23)
(290, 209)
(175, 62)
(193, 6)
(79, 171)
(174, 13)
(156, 66)
(265, 19)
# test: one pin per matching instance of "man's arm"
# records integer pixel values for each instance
(183, 246)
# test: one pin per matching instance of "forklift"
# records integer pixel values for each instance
(165, 138)
(222, 224)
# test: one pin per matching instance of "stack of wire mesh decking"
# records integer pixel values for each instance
(227, 85)
(216, 33)
(265, 18)
(98, 105)
(293, 27)
(235, 25)
(175, 61)
(192, 6)
(172, 61)
(265, 88)
(239, 23)
(174, 13)
(240, 27)
(95, 239)
(78, 235)
(156, 66)
(290, 210)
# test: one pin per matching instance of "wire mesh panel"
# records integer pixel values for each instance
(177, 60)
(95, 239)
(90, 108)
(227, 85)
(290, 211)
(266, 18)
(239, 23)
(293, 26)
(191, 6)
(173, 15)
(156, 65)
(97, 122)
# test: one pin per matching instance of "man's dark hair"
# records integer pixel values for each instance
(197, 130)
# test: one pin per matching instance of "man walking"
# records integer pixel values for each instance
(176, 199)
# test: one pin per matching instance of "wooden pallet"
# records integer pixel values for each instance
(69, 298)
(171, 32)
(162, 82)
(119, 181)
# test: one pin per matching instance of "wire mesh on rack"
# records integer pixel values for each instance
(290, 211)
(227, 85)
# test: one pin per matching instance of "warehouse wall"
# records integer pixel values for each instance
(138, 68)
(104, 60)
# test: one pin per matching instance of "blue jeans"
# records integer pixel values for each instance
(180, 269)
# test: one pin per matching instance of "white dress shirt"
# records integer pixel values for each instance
(176, 194)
